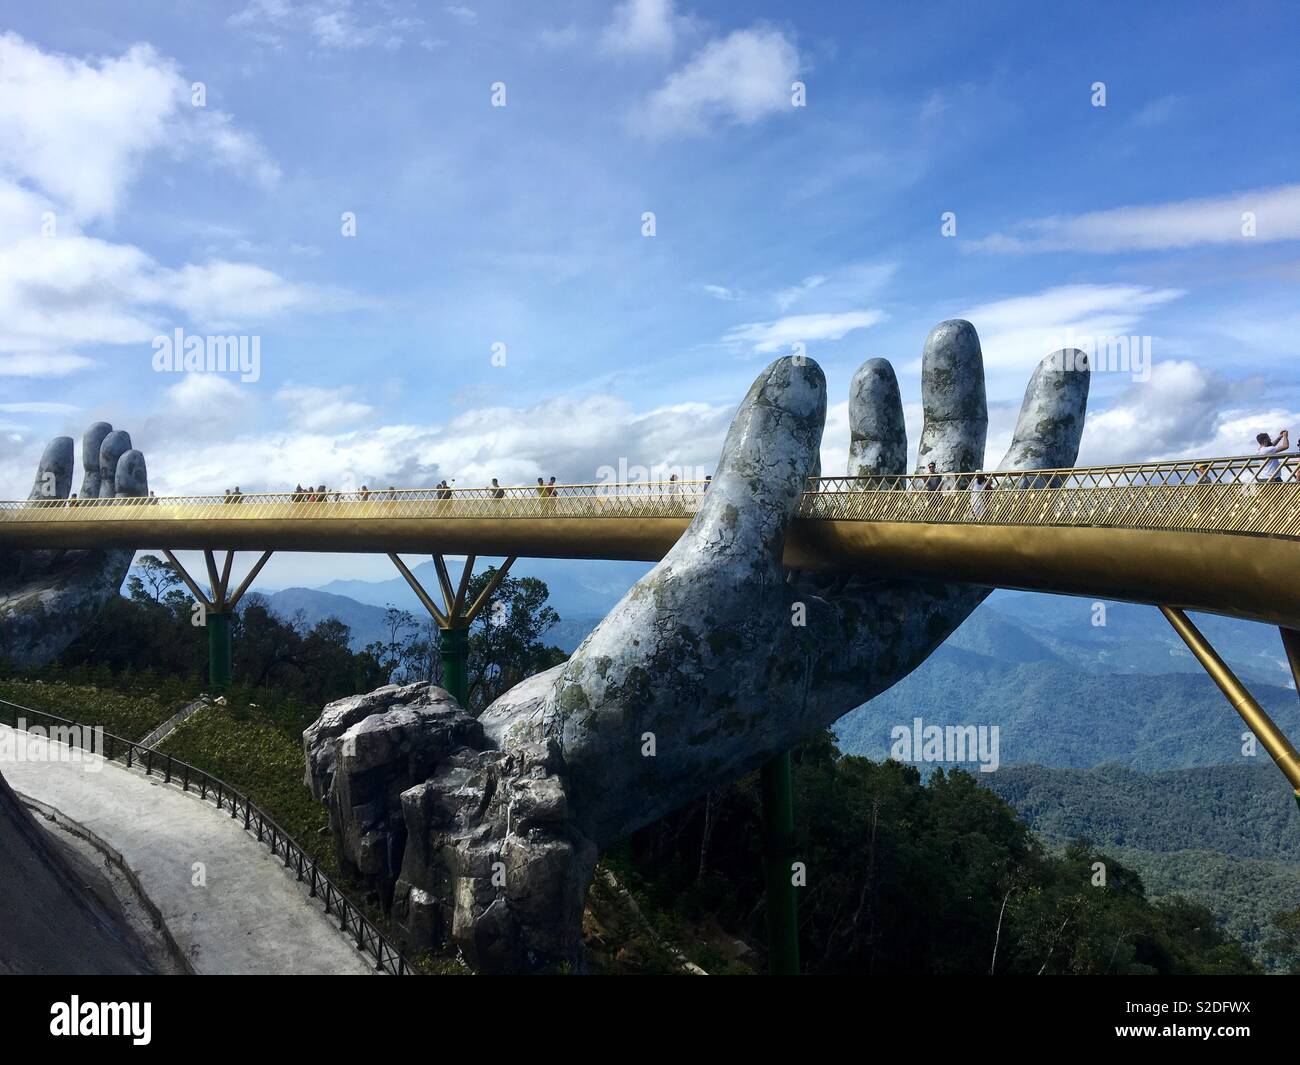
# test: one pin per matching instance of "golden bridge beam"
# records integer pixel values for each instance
(1291, 641)
(248, 580)
(190, 582)
(486, 593)
(462, 587)
(218, 588)
(444, 581)
(425, 598)
(1257, 720)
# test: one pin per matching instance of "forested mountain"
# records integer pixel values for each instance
(1227, 837)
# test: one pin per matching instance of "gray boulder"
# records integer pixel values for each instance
(466, 844)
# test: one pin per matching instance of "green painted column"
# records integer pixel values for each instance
(454, 648)
(219, 653)
(779, 848)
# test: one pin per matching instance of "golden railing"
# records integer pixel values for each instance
(1219, 495)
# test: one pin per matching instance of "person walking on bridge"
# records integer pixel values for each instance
(933, 482)
(1272, 469)
(978, 487)
(497, 491)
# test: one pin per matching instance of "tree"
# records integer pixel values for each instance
(421, 661)
(394, 651)
(505, 644)
(152, 580)
(1285, 945)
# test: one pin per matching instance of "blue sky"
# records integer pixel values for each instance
(522, 225)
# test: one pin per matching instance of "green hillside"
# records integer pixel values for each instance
(1051, 713)
(1227, 837)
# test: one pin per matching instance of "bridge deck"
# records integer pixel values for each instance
(1203, 537)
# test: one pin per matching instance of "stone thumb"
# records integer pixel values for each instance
(771, 449)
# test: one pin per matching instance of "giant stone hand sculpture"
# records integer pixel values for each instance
(486, 832)
(48, 597)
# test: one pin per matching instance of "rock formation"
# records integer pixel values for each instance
(464, 842)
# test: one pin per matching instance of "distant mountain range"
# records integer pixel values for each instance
(576, 587)
(1067, 695)
(581, 593)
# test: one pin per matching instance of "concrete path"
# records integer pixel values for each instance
(246, 914)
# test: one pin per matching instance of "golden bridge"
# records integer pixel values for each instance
(1208, 535)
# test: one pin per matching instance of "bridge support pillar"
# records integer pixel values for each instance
(454, 649)
(219, 650)
(218, 607)
(779, 852)
(1256, 718)
(454, 617)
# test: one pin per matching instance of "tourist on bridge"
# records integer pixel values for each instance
(934, 482)
(497, 491)
(978, 487)
(1272, 469)
(550, 488)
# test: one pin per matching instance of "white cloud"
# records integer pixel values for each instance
(321, 409)
(845, 286)
(1183, 411)
(563, 437)
(66, 291)
(1211, 220)
(78, 132)
(74, 134)
(1018, 332)
(226, 295)
(42, 364)
(37, 408)
(333, 24)
(721, 292)
(467, 15)
(787, 296)
(779, 335)
(214, 133)
(739, 79)
(642, 27)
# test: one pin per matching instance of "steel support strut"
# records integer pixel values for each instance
(1257, 720)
